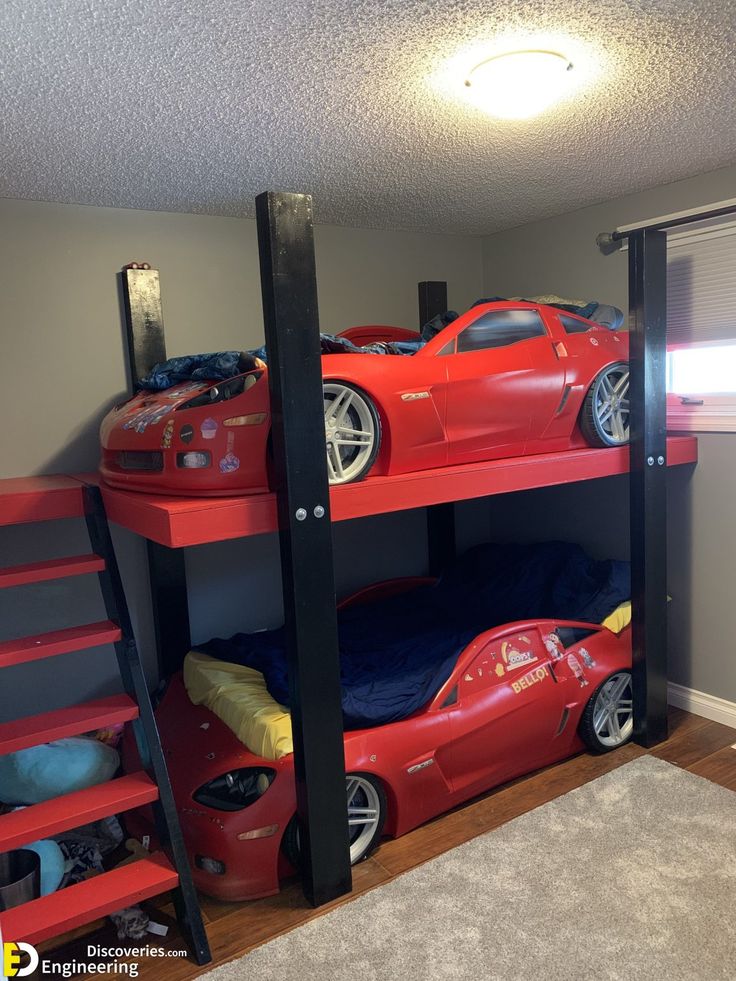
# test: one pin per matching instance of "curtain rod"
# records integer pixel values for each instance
(611, 241)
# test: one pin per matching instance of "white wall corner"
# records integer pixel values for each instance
(707, 706)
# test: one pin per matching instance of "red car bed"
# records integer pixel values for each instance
(521, 696)
(504, 379)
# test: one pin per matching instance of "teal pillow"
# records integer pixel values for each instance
(52, 864)
(41, 772)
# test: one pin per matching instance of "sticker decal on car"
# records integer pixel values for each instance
(532, 678)
(208, 428)
(515, 658)
(167, 434)
(146, 416)
(229, 463)
(587, 659)
(554, 647)
(577, 669)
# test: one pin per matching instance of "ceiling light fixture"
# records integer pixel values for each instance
(519, 84)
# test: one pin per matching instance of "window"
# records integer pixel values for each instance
(701, 327)
(451, 698)
(574, 326)
(500, 328)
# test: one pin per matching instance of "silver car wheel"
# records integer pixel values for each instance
(364, 813)
(611, 404)
(350, 432)
(613, 715)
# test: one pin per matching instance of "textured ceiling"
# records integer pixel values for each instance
(198, 106)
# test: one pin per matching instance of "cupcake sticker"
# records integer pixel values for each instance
(208, 429)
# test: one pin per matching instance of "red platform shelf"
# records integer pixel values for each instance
(182, 521)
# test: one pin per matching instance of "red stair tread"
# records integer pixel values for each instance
(73, 907)
(58, 642)
(42, 498)
(73, 810)
(71, 721)
(76, 565)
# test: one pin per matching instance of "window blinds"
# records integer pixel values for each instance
(701, 284)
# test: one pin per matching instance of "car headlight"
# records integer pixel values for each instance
(236, 789)
(222, 391)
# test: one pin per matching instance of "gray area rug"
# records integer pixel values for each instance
(632, 876)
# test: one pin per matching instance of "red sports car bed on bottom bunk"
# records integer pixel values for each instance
(516, 697)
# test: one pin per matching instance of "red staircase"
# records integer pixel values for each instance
(49, 498)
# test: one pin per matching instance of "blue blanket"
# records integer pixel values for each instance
(396, 654)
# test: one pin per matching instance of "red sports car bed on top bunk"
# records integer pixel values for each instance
(506, 378)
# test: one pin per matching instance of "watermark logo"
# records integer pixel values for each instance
(13, 958)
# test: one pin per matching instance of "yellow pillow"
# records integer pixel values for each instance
(239, 697)
(620, 618)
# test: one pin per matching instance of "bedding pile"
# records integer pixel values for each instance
(395, 654)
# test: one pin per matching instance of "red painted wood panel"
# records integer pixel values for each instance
(73, 810)
(180, 521)
(39, 499)
(76, 565)
(57, 642)
(72, 907)
(71, 721)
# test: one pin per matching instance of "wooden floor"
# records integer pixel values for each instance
(703, 747)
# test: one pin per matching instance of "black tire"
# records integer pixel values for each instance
(368, 409)
(376, 794)
(594, 430)
(590, 733)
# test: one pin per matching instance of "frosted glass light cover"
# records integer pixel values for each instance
(520, 84)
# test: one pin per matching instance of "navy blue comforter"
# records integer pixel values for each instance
(395, 654)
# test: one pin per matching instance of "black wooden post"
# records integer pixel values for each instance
(144, 323)
(648, 484)
(289, 288)
(440, 517)
(432, 300)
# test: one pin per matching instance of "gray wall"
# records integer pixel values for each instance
(60, 317)
(560, 255)
(62, 365)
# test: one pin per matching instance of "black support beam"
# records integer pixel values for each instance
(432, 300)
(648, 484)
(170, 603)
(440, 517)
(144, 331)
(289, 288)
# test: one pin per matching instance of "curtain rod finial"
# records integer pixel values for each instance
(606, 243)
